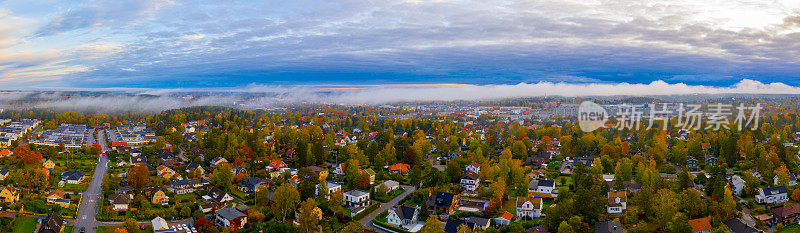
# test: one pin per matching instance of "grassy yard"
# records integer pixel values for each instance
(68, 229)
(24, 225)
(792, 228)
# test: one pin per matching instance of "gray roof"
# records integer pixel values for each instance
(541, 183)
(356, 192)
(405, 212)
(230, 213)
(608, 227)
(478, 221)
(774, 190)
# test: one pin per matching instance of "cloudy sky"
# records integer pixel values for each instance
(205, 44)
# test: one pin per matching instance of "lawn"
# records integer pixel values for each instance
(792, 228)
(24, 225)
(107, 229)
(68, 229)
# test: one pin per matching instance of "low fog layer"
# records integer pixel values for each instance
(262, 96)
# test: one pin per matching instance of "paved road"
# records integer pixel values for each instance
(87, 215)
(367, 221)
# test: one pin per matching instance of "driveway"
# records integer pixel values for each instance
(367, 221)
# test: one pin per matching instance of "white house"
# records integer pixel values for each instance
(529, 207)
(391, 185)
(332, 188)
(356, 198)
(230, 216)
(473, 167)
(617, 202)
(159, 223)
(772, 195)
(543, 188)
(503, 220)
(470, 181)
(792, 180)
(403, 216)
(738, 184)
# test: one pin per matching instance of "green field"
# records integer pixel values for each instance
(24, 225)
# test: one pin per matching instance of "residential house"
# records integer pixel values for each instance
(792, 180)
(356, 198)
(617, 202)
(6, 152)
(772, 195)
(119, 202)
(710, 160)
(473, 167)
(52, 224)
(49, 164)
(138, 158)
(159, 223)
(470, 181)
(332, 188)
(121, 163)
(167, 172)
(72, 177)
(736, 225)
(64, 203)
(542, 189)
(194, 166)
(391, 185)
(339, 169)
(156, 196)
(218, 161)
(371, 174)
(529, 207)
(452, 225)
(691, 162)
(9, 194)
(738, 184)
(321, 172)
(608, 227)
(187, 186)
(251, 184)
(503, 220)
(218, 197)
(478, 223)
(4, 172)
(54, 195)
(403, 216)
(400, 168)
(700, 225)
(316, 212)
(442, 202)
(228, 217)
(785, 214)
(295, 180)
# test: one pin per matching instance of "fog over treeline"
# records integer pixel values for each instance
(266, 96)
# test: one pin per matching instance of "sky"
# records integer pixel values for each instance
(174, 44)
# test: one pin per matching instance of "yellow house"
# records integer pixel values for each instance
(158, 197)
(54, 195)
(121, 163)
(49, 164)
(9, 194)
(64, 203)
(371, 175)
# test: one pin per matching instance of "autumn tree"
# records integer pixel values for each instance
(223, 177)
(353, 227)
(308, 219)
(286, 198)
(139, 176)
(28, 156)
(433, 225)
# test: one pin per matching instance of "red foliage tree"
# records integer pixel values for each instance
(28, 156)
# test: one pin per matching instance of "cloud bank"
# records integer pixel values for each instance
(263, 96)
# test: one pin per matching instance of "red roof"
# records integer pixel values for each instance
(507, 216)
(700, 224)
(5, 152)
(399, 167)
